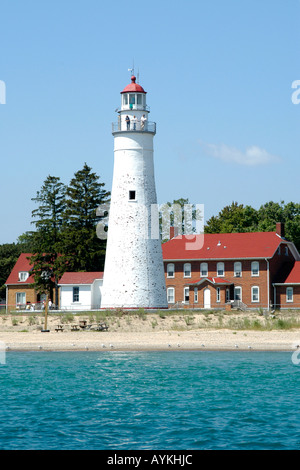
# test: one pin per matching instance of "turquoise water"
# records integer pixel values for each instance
(149, 400)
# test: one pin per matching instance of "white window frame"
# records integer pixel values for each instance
(203, 265)
(218, 294)
(241, 293)
(222, 269)
(73, 293)
(237, 269)
(287, 295)
(23, 294)
(253, 273)
(173, 270)
(186, 289)
(187, 270)
(171, 295)
(130, 96)
(196, 295)
(23, 276)
(252, 294)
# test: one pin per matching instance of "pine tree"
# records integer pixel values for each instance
(83, 250)
(47, 264)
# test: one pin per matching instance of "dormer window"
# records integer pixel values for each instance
(286, 250)
(23, 276)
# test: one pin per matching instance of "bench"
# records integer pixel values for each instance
(59, 328)
(102, 327)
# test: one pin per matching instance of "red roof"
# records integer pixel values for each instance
(293, 276)
(212, 280)
(222, 246)
(22, 265)
(80, 278)
(133, 87)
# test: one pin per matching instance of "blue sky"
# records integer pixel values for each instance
(219, 80)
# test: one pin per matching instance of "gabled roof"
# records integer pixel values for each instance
(215, 246)
(213, 280)
(291, 276)
(22, 265)
(73, 278)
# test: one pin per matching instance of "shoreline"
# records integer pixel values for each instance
(192, 340)
(181, 331)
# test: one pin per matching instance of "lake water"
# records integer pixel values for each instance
(149, 400)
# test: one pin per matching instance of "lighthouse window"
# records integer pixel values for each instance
(139, 99)
(131, 195)
(125, 99)
(131, 99)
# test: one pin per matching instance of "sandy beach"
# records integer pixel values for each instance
(188, 340)
(144, 333)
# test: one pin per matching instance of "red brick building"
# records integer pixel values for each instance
(20, 292)
(255, 270)
(215, 270)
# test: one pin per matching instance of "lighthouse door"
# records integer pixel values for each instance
(206, 295)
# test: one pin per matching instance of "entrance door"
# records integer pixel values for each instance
(206, 294)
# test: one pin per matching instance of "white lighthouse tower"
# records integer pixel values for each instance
(133, 273)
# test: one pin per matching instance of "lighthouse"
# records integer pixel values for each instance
(133, 271)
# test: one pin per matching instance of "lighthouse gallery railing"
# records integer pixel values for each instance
(138, 126)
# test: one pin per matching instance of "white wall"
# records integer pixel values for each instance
(96, 294)
(89, 296)
(66, 298)
(134, 272)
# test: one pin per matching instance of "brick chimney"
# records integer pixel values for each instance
(280, 229)
(173, 232)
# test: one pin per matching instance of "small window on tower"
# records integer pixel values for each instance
(131, 195)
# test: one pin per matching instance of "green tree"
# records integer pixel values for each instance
(239, 218)
(9, 253)
(233, 218)
(181, 214)
(46, 239)
(82, 249)
(272, 212)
